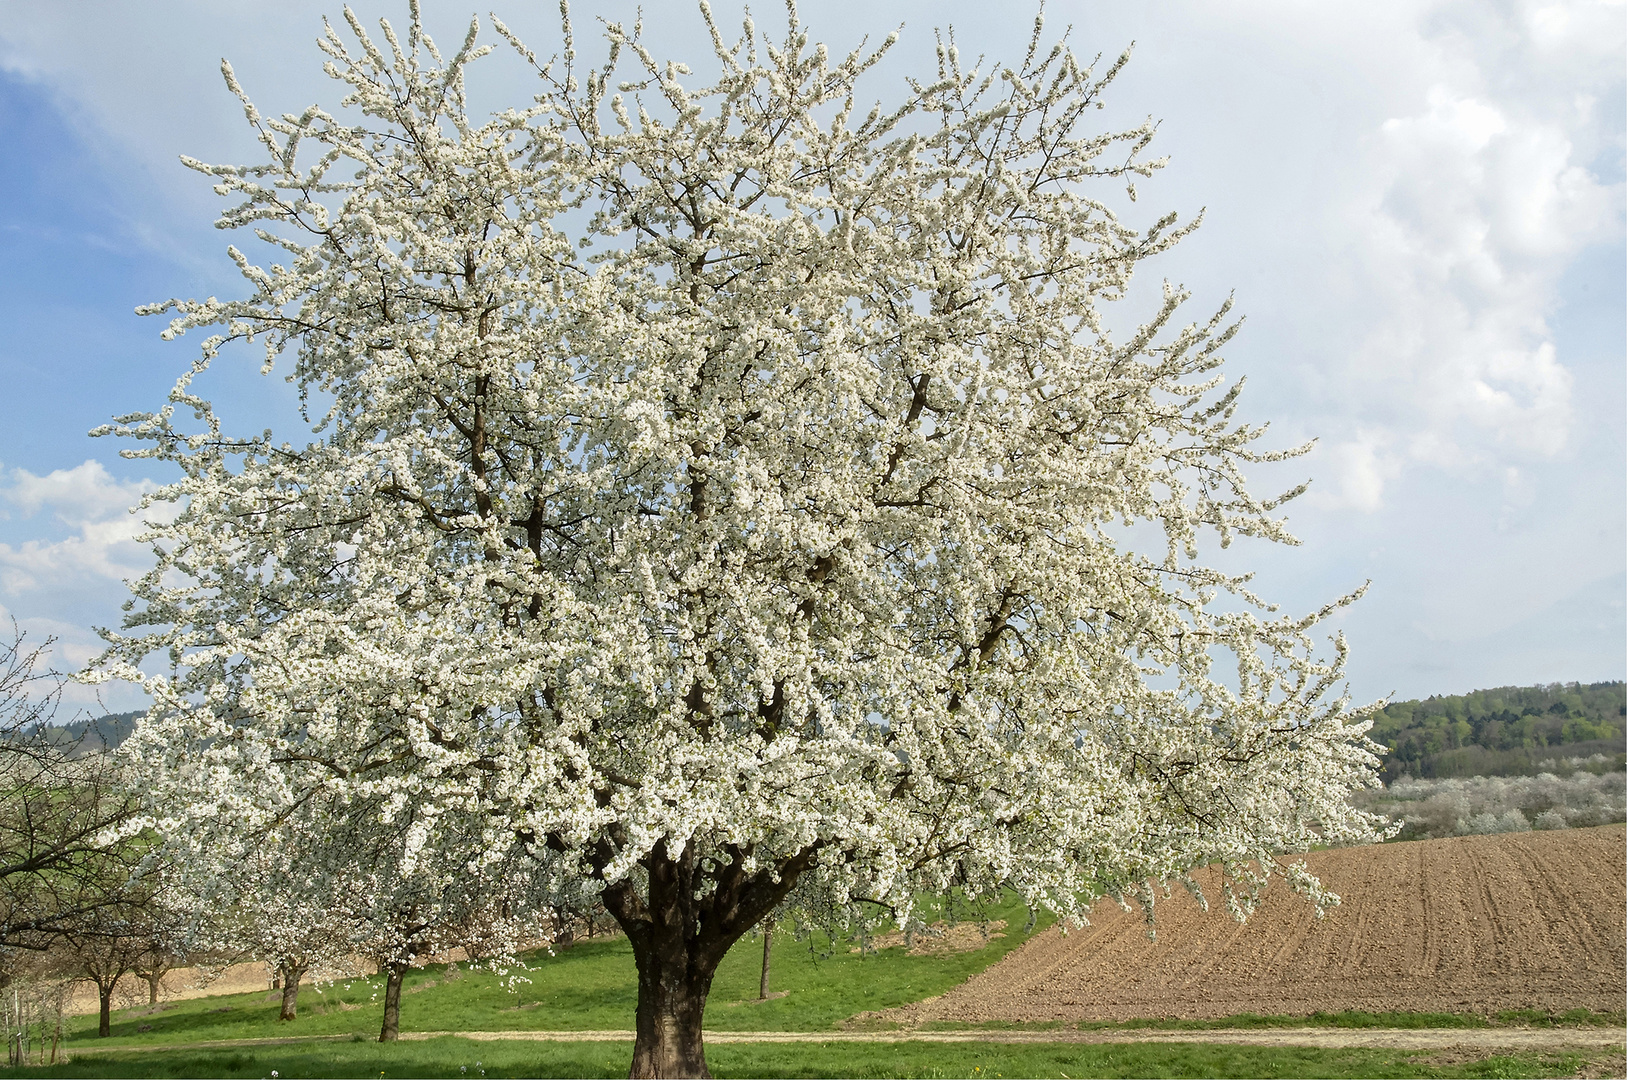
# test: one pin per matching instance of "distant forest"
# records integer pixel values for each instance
(1509, 731)
(89, 736)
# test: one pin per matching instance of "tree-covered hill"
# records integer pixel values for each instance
(91, 735)
(1507, 731)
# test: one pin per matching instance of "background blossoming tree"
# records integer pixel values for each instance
(324, 878)
(719, 491)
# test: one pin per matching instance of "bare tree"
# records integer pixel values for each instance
(103, 956)
(167, 945)
(58, 809)
(152, 968)
(69, 886)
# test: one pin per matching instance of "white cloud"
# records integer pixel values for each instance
(97, 508)
(1353, 473)
(1475, 202)
(71, 649)
(81, 494)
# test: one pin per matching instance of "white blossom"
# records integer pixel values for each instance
(724, 489)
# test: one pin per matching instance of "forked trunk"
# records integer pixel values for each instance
(391, 1031)
(290, 975)
(680, 929)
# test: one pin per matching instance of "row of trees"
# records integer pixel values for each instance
(717, 506)
(1485, 804)
(1510, 730)
(90, 894)
(77, 900)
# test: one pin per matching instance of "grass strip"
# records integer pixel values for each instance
(463, 1058)
(1348, 1019)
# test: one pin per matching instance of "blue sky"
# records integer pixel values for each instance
(1418, 206)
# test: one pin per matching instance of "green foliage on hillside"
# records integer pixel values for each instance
(1508, 731)
(92, 735)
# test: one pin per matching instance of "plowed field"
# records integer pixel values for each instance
(1470, 924)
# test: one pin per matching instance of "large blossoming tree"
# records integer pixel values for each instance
(721, 491)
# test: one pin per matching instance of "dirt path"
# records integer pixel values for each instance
(1470, 924)
(1390, 1038)
(1482, 1039)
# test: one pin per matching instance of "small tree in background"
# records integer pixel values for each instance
(103, 955)
(168, 944)
(324, 880)
(64, 859)
(33, 1005)
(723, 489)
(405, 915)
(767, 929)
(287, 902)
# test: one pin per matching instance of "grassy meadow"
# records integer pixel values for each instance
(826, 987)
(589, 987)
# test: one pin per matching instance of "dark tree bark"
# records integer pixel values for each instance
(395, 971)
(672, 989)
(104, 1025)
(768, 937)
(678, 941)
(290, 974)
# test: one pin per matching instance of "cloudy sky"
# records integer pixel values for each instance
(1418, 204)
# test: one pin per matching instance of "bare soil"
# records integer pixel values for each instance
(941, 937)
(1468, 924)
(185, 983)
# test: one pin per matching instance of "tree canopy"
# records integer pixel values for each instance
(720, 490)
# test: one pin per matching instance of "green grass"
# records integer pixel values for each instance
(589, 987)
(1349, 1019)
(455, 1057)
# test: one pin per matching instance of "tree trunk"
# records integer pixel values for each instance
(104, 1026)
(768, 937)
(678, 939)
(672, 989)
(153, 979)
(289, 975)
(395, 972)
